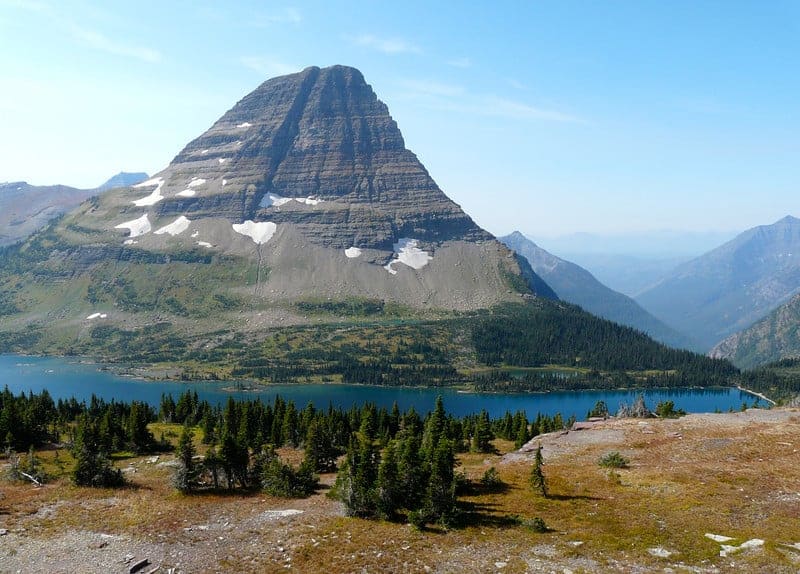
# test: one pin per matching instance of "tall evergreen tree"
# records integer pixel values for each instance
(435, 427)
(440, 494)
(187, 473)
(537, 479)
(92, 465)
(355, 484)
(319, 450)
(482, 434)
(387, 488)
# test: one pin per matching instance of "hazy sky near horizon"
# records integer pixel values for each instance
(548, 117)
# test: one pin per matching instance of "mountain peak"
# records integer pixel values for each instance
(122, 179)
(308, 181)
(788, 220)
(320, 137)
(517, 236)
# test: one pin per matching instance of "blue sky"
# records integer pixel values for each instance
(547, 117)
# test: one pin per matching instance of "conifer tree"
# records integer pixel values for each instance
(482, 434)
(387, 488)
(290, 426)
(186, 475)
(141, 438)
(92, 465)
(319, 450)
(212, 463)
(355, 485)
(523, 436)
(435, 427)
(411, 469)
(440, 494)
(537, 479)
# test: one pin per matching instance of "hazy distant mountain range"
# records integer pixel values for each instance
(664, 244)
(732, 286)
(122, 179)
(574, 284)
(26, 208)
(628, 274)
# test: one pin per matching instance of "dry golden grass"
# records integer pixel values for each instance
(731, 474)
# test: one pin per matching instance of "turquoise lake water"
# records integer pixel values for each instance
(64, 378)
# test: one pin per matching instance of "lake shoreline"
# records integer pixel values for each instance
(148, 375)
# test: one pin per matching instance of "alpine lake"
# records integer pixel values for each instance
(68, 377)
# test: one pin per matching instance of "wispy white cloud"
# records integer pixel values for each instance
(460, 63)
(386, 45)
(267, 66)
(432, 88)
(103, 43)
(453, 98)
(498, 106)
(86, 36)
(516, 84)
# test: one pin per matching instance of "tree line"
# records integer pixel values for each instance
(563, 334)
(390, 464)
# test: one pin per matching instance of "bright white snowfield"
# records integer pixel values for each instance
(244, 125)
(137, 227)
(352, 252)
(186, 193)
(149, 182)
(308, 200)
(274, 200)
(195, 182)
(96, 316)
(260, 232)
(155, 196)
(176, 227)
(409, 254)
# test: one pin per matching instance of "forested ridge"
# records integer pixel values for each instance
(564, 334)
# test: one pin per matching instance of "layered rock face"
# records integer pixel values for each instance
(306, 189)
(322, 137)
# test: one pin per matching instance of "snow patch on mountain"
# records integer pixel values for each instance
(352, 252)
(408, 253)
(260, 232)
(176, 227)
(274, 200)
(155, 196)
(137, 227)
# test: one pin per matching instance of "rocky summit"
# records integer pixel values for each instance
(304, 190)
